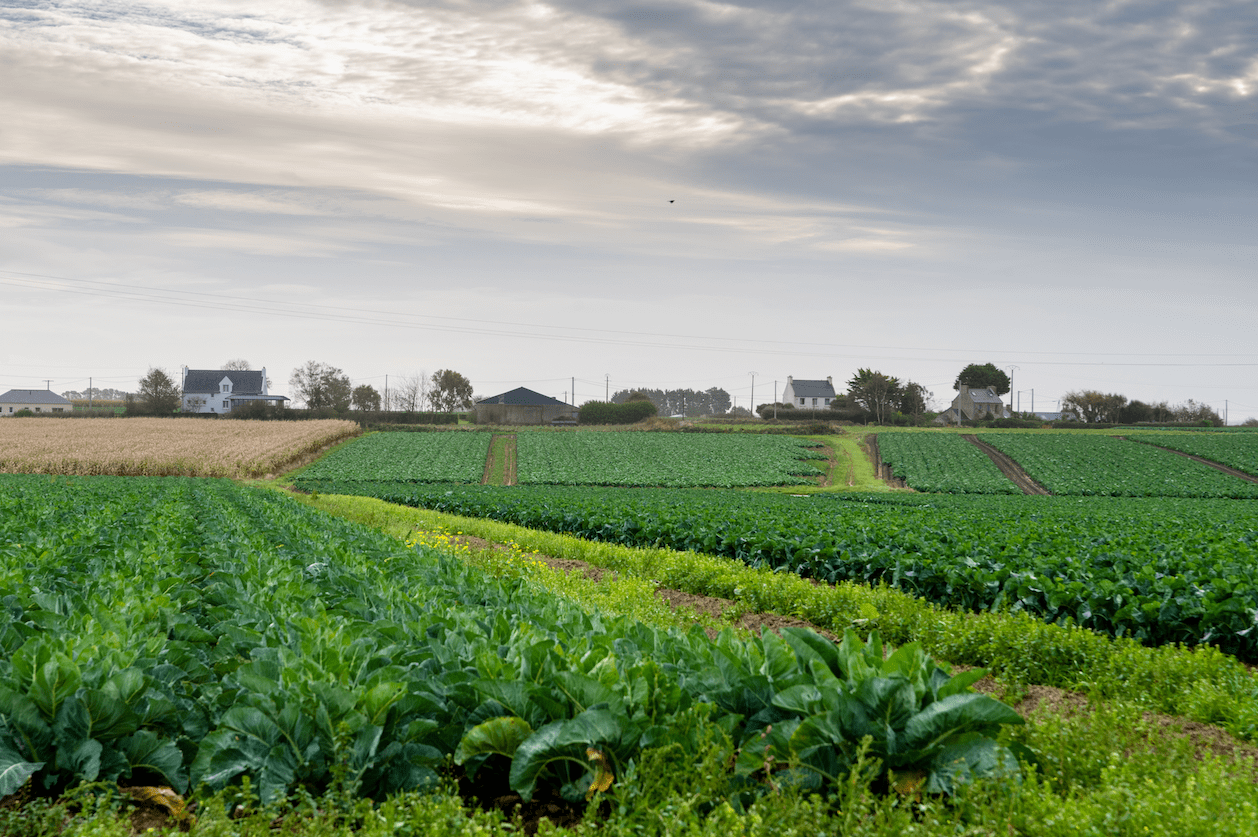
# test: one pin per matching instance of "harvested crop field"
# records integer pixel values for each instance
(162, 446)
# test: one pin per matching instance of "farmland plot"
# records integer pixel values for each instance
(406, 457)
(196, 631)
(942, 462)
(1087, 464)
(162, 446)
(664, 459)
(1236, 450)
(1161, 570)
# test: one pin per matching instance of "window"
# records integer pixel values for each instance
(227, 405)
(801, 402)
(814, 402)
(223, 388)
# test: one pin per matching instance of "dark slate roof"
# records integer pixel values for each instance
(33, 396)
(248, 382)
(521, 396)
(984, 396)
(812, 389)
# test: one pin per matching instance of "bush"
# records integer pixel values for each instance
(603, 412)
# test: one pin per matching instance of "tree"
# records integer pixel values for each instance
(158, 395)
(450, 391)
(320, 385)
(1193, 412)
(986, 375)
(411, 392)
(365, 398)
(237, 365)
(1250, 422)
(1092, 406)
(875, 392)
(914, 400)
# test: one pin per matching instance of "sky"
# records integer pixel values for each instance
(612, 194)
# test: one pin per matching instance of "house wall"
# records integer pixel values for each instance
(9, 409)
(522, 414)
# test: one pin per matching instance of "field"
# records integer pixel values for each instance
(301, 672)
(664, 459)
(162, 447)
(1084, 464)
(406, 457)
(1236, 450)
(942, 462)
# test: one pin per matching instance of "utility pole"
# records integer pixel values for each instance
(1011, 368)
(89, 392)
(753, 394)
(48, 383)
(574, 390)
(607, 386)
(775, 399)
(386, 392)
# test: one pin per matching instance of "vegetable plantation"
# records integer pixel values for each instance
(664, 459)
(407, 457)
(197, 632)
(942, 462)
(1236, 450)
(1087, 464)
(1159, 569)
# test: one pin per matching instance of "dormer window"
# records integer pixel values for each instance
(223, 388)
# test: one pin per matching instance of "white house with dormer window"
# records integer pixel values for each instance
(808, 395)
(219, 390)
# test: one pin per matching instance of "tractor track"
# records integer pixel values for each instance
(1008, 467)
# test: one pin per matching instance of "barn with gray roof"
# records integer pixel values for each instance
(35, 400)
(523, 406)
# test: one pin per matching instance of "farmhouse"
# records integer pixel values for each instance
(523, 406)
(808, 395)
(219, 390)
(35, 400)
(974, 404)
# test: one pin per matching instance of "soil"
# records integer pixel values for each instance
(1008, 467)
(1215, 465)
(881, 469)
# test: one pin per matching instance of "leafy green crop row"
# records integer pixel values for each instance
(663, 459)
(1237, 450)
(195, 632)
(1160, 570)
(407, 457)
(942, 462)
(1087, 464)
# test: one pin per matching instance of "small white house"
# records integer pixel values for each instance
(808, 395)
(35, 400)
(219, 390)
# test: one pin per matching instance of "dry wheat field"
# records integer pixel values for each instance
(162, 446)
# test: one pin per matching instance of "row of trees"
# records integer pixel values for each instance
(320, 385)
(680, 402)
(1111, 408)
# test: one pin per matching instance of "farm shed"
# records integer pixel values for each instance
(218, 390)
(973, 404)
(808, 395)
(35, 400)
(523, 406)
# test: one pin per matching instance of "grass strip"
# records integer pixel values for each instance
(1201, 684)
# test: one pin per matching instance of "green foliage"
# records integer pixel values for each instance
(196, 633)
(450, 391)
(942, 462)
(405, 457)
(321, 385)
(603, 412)
(663, 459)
(1236, 450)
(1091, 464)
(1161, 570)
(157, 395)
(983, 375)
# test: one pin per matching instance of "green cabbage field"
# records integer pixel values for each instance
(943, 463)
(194, 632)
(1159, 569)
(1236, 450)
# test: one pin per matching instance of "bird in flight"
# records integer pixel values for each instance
(670, 201)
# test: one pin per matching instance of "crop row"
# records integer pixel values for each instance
(195, 632)
(407, 457)
(943, 463)
(1236, 450)
(1160, 570)
(1083, 464)
(162, 446)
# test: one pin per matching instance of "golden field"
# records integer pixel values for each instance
(154, 447)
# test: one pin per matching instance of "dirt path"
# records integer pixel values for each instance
(1218, 466)
(1008, 467)
(500, 461)
(881, 469)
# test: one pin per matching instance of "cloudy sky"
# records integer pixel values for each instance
(672, 193)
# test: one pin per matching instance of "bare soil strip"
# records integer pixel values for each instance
(881, 469)
(500, 460)
(1218, 466)
(1008, 467)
